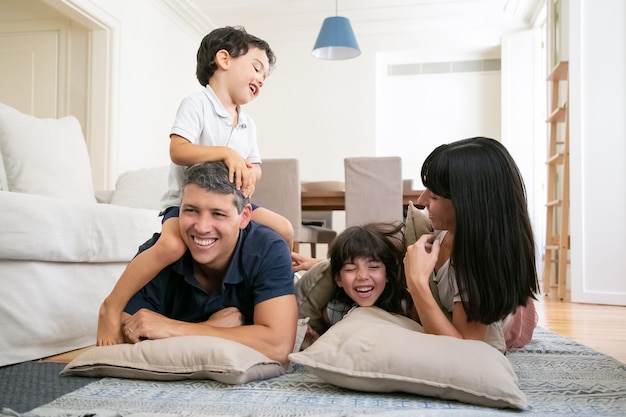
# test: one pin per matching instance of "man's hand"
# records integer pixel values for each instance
(227, 317)
(146, 324)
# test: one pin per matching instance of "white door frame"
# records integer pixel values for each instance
(102, 85)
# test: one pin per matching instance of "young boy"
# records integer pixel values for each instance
(210, 125)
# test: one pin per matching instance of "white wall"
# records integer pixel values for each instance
(323, 111)
(417, 113)
(316, 111)
(156, 65)
(597, 54)
(524, 129)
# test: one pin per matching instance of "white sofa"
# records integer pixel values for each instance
(61, 250)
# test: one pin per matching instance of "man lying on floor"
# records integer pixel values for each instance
(234, 282)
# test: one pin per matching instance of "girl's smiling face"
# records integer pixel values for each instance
(363, 280)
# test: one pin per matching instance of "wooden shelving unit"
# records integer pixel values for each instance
(556, 257)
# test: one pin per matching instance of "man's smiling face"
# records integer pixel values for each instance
(209, 225)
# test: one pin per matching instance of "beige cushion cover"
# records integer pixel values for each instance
(372, 350)
(313, 291)
(183, 357)
(416, 224)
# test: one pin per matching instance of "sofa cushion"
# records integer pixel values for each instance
(141, 188)
(38, 228)
(3, 175)
(45, 156)
(373, 350)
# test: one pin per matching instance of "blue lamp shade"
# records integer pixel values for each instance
(336, 40)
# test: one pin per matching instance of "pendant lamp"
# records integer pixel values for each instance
(336, 39)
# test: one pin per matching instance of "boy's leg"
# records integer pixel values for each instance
(145, 266)
(276, 222)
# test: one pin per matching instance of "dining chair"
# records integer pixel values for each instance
(279, 190)
(373, 189)
(320, 219)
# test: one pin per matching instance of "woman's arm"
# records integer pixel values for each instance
(419, 263)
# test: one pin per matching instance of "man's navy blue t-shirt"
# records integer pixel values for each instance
(260, 269)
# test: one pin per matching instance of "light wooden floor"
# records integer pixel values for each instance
(600, 327)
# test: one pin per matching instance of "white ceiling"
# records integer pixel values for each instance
(387, 19)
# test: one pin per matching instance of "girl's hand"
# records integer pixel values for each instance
(419, 262)
(302, 263)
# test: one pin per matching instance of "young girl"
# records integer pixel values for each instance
(481, 259)
(366, 264)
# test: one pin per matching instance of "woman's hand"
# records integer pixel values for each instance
(419, 262)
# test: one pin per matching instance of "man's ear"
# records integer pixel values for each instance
(222, 59)
(246, 216)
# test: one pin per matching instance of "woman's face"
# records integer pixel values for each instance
(440, 210)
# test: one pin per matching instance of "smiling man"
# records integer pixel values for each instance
(235, 281)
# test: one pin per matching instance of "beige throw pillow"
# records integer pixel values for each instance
(372, 350)
(416, 224)
(313, 291)
(178, 358)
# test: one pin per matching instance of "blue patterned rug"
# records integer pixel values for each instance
(560, 378)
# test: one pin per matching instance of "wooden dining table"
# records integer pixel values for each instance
(323, 200)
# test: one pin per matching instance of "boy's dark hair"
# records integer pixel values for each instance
(213, 176)
(382, 242)
(235, 40)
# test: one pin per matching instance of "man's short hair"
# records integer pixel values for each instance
(213, 176)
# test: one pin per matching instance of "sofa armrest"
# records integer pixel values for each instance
(40, 228)
(104, 196)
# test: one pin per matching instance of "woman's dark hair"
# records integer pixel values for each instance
(493, 255)
(381, 242)
(235, 40)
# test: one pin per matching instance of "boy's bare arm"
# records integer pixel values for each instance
(185, 153)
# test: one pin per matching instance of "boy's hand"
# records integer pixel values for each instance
(239, 170)
(248, 191)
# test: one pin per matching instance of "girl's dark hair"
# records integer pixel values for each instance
(233, 39)
(494, 250)
(382, 242)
